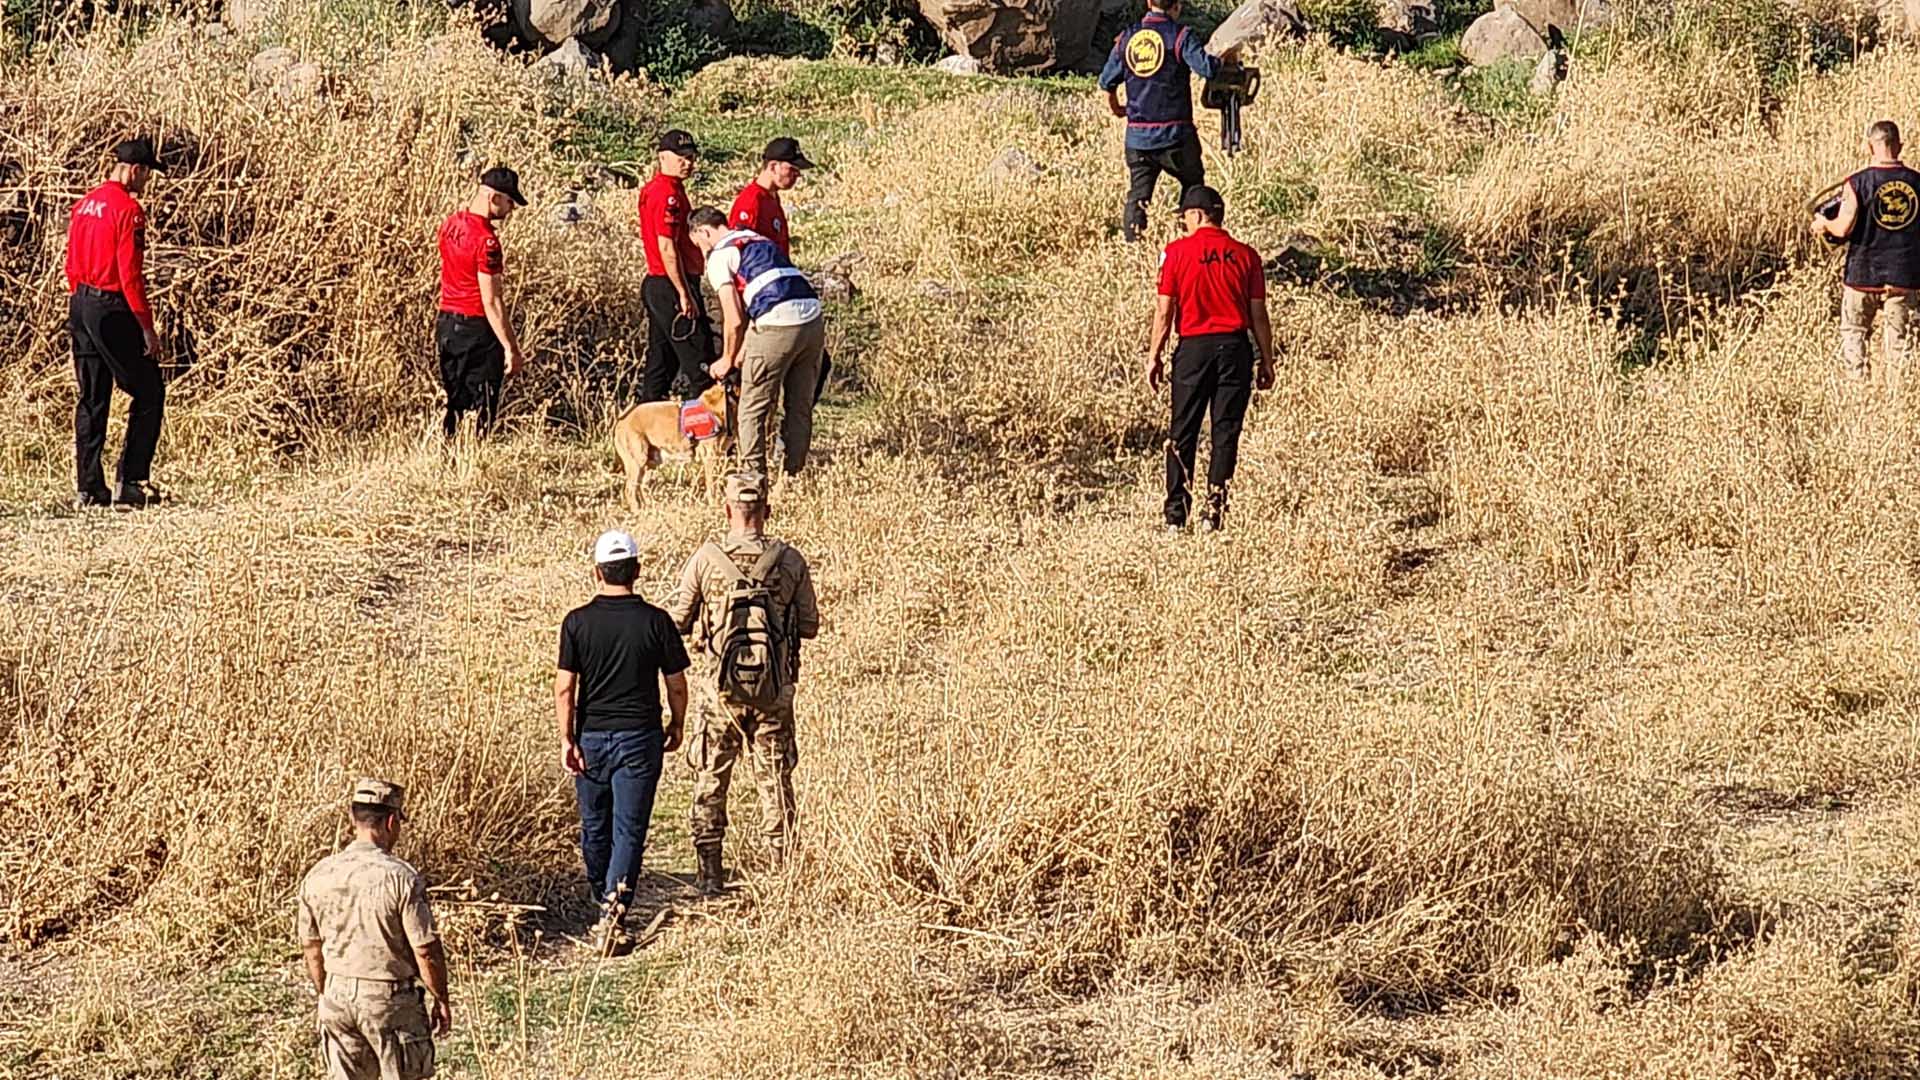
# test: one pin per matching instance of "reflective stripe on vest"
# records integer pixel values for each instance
(1159, 83)
(764, 277)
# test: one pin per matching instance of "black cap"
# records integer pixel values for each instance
(138, 152)
(1202, 197)
(679, 142)
(786, 149)
(505, 181)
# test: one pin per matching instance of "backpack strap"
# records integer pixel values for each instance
(768, 560)
(717, 555)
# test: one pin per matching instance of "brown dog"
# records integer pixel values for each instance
(645, 432)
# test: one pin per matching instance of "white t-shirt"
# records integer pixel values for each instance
(723, 262)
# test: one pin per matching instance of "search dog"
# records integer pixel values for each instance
(647, 432)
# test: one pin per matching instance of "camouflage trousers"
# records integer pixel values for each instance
(716, 737)
(371, 1029)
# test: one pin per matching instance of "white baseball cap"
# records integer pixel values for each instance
(614, 546)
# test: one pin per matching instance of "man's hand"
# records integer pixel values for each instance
(571, 758)
(720, 368)
(1115, 106)
(1263, 378)
(515, 361)
(676, 730)
(440, 1014)
(688, 310)
(1156, 373)
(152, 342)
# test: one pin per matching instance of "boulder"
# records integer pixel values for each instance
(281, 72)
(1547, 73)
(571, 60)
(958, 65)
(1254, 23)
(1499, 35)
(554, 21)
(714, 17)
(1405, 25)
(1016, 36)
(1899, 19)
(1566, 16)
(1011, 166)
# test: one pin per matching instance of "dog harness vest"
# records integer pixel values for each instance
(697, 422)
(1884, 249)
(764, 277)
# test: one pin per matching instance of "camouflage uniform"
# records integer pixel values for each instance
(718, 730)
(369, 912)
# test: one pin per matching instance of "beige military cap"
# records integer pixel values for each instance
(746, 488)
(380, 793)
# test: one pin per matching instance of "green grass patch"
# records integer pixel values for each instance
(1499, 92)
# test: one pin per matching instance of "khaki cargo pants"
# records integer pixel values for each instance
(779, 363)
(717, 735)
(371, 1029)
(1897, 311)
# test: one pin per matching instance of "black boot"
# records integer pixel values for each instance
(711, 876)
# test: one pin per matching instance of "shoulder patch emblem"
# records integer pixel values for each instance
(1146, 52)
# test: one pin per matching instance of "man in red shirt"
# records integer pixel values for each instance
(679, 334)
(111, 325)
(1213, 290)
(757, 208)
(478, 348)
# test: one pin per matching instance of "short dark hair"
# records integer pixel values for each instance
(620, 572)
(367, 815)
(706, 215)
(1885, 132)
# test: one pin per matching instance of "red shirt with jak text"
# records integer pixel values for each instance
(1213, 280)
(468, 248)
(663, 212)
(107, 247)
(759, 210)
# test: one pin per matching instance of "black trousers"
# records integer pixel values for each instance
(109, 351)
(677, 352)
(473, 364)
(1183, 162)
(1212, 375)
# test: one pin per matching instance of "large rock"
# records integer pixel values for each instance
(1016, 36)
(958, 65)
(1548, 73)
(554, 21)
(1499, 35)
(572, 60)
(1899, 19)
(1567, 16)
(1255, 23)
(1405, 25)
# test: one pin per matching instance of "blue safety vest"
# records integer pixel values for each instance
(1159, 83)
(764, 277)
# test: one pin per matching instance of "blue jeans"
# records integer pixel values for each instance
(616, 803)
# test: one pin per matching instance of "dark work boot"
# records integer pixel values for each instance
(135, 496)
(1216, 509)
(711, 877)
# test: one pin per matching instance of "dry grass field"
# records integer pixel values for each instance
(1547, 711)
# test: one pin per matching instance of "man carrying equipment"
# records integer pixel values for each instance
(1155, 59)
(1879, 218)
(774, 332)
(1213, 290)
(111, 325)
(679, 333)
(752, 601)
(478, 348)
(368, 939)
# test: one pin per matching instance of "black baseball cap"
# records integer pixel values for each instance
(786, 149)
(138, 152)
(679, 142)
(1202, 197)
(505, 181)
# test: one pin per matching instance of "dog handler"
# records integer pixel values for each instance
(1156, 59)
(679, 333)
(111, 324)
(478, 348)
(1879, 218)
(1213, 290)
(774, 332)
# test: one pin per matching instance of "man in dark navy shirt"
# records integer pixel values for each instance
(1156, 59)
(615, 651)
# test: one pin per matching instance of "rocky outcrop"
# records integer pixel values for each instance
(552, 22)
(1569, 17)
(281, 73)
(1499, 35)
(1405, 25)
(572, 60)
(1016, 36)
(958, 65)
(1254, 23)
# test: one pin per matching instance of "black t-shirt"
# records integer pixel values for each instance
(619, 646)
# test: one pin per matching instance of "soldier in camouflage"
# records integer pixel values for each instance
(721, 729)
(368, 939)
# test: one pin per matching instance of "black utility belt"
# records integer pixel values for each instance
(1214, 339)
(462, 317)
(91, 293)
